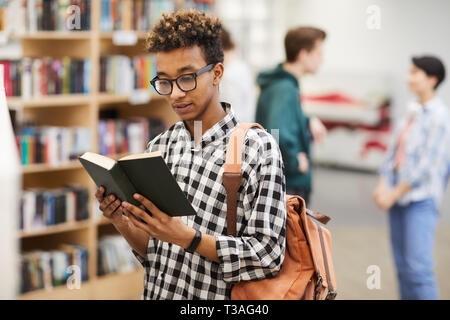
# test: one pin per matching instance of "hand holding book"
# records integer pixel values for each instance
(159, 225)
(110, 206)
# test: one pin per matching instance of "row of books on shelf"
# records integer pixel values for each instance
(52, 145)
(136, 15)
(66, 265)
(28, 16)
(122, 74)
(202, 5)
(140, 15)
(117, 136)
(40, 208)
(46, 76)
(115, 256)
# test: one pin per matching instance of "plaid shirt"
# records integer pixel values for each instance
(258, 250)
(427, 153)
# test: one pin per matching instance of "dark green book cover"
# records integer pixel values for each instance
(146, 174)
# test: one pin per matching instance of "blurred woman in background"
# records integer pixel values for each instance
(413, 178)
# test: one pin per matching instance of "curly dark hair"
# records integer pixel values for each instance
(186, 28)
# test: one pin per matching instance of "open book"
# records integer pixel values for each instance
(145, 173)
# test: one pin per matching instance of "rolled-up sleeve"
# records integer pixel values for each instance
(258, 250)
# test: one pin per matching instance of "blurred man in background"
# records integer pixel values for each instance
(279, 106)
(237, 86)
(413, 178)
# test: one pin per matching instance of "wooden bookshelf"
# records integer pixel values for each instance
(109, 35)
(109, 98)
(118, 286)
(80, 110)
(57, 228)
(58, 100)
(54, 35)
(42, 167)
(68, 100)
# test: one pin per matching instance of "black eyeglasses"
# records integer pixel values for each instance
(186, 82)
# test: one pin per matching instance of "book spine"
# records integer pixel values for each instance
(6, 78)
(26, 78)
(111, 137)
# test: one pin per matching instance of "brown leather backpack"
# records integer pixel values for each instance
(307, 271)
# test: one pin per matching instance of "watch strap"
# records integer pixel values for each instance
(195, 242)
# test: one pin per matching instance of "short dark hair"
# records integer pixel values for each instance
(432, 66)
(301, 38)
(186, 28)
(227, 42)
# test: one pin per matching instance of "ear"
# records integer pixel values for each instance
(433, 81)
(218, 73)
(301, 54)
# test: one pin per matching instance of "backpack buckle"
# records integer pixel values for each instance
(331, 295)
(318, 287)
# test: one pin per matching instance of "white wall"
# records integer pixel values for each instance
(407, 28)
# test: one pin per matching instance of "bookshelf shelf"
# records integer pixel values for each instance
(123, 286)
(59, 100)
(58, 228)
(54, 35)
(42, 167)
(116, 286)
(109, 35)
(110, 98)
(68, 100)
(60, 293)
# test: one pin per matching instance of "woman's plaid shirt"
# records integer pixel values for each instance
(257, 251)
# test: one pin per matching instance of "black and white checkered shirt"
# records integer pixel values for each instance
(257, 251)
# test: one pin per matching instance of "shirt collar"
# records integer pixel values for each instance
(219, 130)
(416, 108)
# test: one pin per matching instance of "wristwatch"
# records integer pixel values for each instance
(195, 242)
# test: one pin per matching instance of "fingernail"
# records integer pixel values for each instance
(125, 204)
(137, 196)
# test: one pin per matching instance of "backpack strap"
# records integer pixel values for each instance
(232, 174)
(318, 216)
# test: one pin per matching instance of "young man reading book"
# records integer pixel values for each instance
(191, 257)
